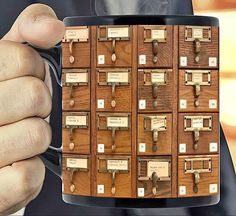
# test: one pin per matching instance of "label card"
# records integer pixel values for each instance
(80, 163)
(142, 59)
(213, 188)
(182, 190)
(183, 104)
(122, 32)
(182, 148)
(183, 61)
(100, 189)
(100, 104)
(213, 147)
(212, 62)
(142, 147)
(118, 122)
(76, 78)
(118, 77)
(161, 168)
(197, 77)
(212, 104)
(76, 120)
(101, 59)
(158, 77)
(80, 34)
(197, 122)
(158, 34)
(197, 33)
(117, 165)
(140, 192)
(142, 104)
(158, 123)
(101, 148)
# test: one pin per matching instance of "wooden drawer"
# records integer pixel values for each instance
(198, 47)
(198, 175)
(114, 176)
(114, 46)
(155, 90)
(76, 132)
(114, 90)
(76, 89)
(198, 90)
(76, 174)
(155, 46)
(154, 177)
(114, 133)
(198, 133)
(76, 47)
(154, 134)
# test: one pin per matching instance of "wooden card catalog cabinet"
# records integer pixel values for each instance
(76, 47)
(113, 133)
(155, 90)
(198, 175)
(198, 90)
(154, 177)
(198, 47)
(198, 133)
(76, 89)
(154, 134)
(114, 90)
(76, 175)
(114, 176)
(114, 46)
(155, 46)
(76, 132)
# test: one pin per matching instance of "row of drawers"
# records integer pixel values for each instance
(198, 46)
(197, 176)
(198, 90)
(197, 133)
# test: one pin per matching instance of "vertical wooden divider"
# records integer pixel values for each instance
(134, 110)
(93, 159)
(175, 112)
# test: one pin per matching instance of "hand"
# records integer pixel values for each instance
(25, 101)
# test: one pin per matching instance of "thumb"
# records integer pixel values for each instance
(37, 25)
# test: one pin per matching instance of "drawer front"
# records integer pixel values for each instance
(155, 46)
(76, 132)
(113, 133)
(76, 47)
(76, 89)
(114, 176)
(198, 133)
(155, 90)
(198, 175)
(114, 46)
(198, 47)
(76, 175)
(154, 177)
(154, 134)
(198, 90)
(114, 90)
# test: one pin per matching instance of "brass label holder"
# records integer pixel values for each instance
(196, 125)
(115, 167)
(155, 170)
(114, 77)
(155, 124)
(189, 167)
(155, 35)
(73, 78)
(197, 34)
(195, 78)
(114, 33)
(75, 35)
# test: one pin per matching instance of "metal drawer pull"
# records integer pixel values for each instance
(113, 147)
(113, 186)
(155, 139)
(113, 91)
(197, 46)
(154, 50)
(196, 177)
(113, 56)
(154, 183)
(71, 58)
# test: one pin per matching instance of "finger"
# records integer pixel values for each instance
(17, 60)
(23, 140)
(22, 98)
(37, 25)
(22, 204)
(19, 181)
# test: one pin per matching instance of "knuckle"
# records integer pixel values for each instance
(39, 135)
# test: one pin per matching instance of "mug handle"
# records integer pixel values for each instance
(53, 156)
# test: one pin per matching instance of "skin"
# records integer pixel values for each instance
(25, 102)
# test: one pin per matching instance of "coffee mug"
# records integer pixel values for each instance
(140, 111)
